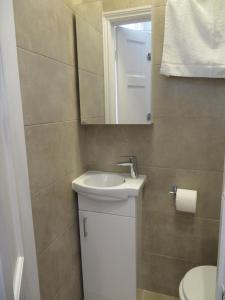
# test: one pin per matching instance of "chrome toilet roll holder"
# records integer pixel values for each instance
(173, 192)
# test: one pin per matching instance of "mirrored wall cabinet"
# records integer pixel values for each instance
(114, 66)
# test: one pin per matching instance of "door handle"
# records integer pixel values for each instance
(149, 56)
(85, 226)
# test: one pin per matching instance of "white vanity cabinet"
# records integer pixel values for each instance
(108, 256)
(109, 235)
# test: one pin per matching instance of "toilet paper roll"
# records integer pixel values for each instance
(186, 200)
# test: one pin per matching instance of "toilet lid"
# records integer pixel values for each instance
(200, 283)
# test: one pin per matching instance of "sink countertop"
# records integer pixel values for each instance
(131, 187)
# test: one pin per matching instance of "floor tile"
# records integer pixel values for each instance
(147, 295)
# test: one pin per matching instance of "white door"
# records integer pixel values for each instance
(221, 257)
(133, 76)
(108, 256)
(11, 254)
(18, 266)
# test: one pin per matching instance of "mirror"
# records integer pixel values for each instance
(114, 64)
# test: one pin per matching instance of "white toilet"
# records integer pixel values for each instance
(199, 284)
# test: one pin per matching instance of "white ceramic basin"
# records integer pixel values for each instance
(104, 180)
(108, 186)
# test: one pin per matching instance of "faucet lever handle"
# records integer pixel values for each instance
(132, 163)
(131, 157)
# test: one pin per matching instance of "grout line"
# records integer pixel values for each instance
(45, 56)
(91, 72)
(43, 189)
(209, 219)
(67, 228)
(179, 169)
(194, 262)
(52, 123)
(64, 175)
(167, 256)
(159, 6)
(182, 216)
(147, 167)
(177, 116)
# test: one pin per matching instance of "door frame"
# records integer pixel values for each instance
(13, 129)
(109, 20)
(220, 287)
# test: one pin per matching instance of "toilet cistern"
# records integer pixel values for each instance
(132, 163)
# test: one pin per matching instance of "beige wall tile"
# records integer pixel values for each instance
(156, 192)
(158, 18)
(163, 274)
(164, 142)
(53, 151)
(128, 141)
(93, 120)
(48, 89)
(197, 238)
(159, 2)
(112, 145)
(73, 3)
(132, 140)
(92, 13)
(45, 28)
(187, 143)
(72, 288)
(164, 94)
(45, 155)
(198, 97)
(138, 142)
(207, 233)
(200, 144)
(58, 263)
(187, 97)
(136, 3)
(115, 4)
(53, 211)
(85, 1)
(74, 148)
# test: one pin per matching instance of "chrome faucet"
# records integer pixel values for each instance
(132, 163)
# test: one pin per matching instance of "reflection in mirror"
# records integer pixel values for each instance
(129, 103)
(114, 63)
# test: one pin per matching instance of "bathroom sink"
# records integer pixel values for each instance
(108, 186)
(104, 180)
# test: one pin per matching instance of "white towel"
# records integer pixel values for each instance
(194, 41)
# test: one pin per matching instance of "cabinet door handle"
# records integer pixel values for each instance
(85, 226)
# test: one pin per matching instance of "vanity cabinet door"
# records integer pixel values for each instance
(108, 250)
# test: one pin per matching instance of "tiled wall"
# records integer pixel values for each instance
(45, 40)
(185, 146)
